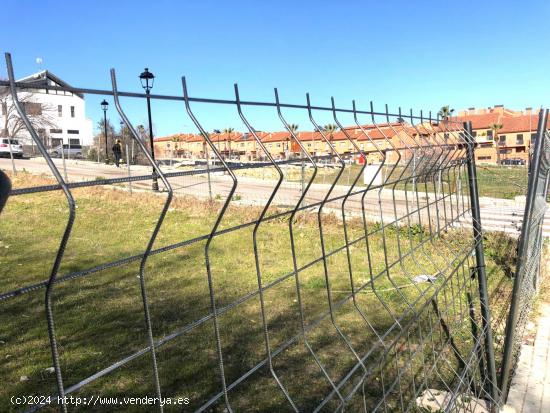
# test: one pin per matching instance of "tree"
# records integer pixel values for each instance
(229, 131)
(175, 139)
(292, 128)
(99, 138)
(495, 127)
(445, 112)
(142, 132)
(330, 129)
(40, 115)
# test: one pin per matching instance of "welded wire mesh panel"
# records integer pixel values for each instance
(530, 249)
(342, 278)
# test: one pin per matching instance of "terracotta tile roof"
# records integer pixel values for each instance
(524, 123)
(381, 134)
(482, 121)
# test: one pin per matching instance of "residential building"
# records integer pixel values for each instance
(513, 139)
(378, 142)
(58, 116)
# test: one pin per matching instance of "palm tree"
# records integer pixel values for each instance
(176, 139)
(445, 112)
(292, 128)
(141, 131)
(495, 127)
(229, 131)
(330, 129)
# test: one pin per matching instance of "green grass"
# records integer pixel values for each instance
(504, 182)
(99, 317)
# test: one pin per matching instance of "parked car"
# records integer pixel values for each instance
(16, 148)
(74, 151)
(514, 161)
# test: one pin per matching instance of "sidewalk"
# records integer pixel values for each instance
(530, 391)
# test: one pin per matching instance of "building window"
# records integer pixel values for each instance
(72, 132)
(519, 139)
(446, 136)
(167, 145)
(502, 139)
(32, 108)
(533, 138)
(483, 158)
(72, 111)
(489, 134)
(56, 131)
(59, 110)
(474, 134)
(74, 142)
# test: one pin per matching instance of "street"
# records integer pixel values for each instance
(387, 205)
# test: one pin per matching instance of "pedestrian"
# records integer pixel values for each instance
(117, 152)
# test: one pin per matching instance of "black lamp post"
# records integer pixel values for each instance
(105, 106)
(147, 80)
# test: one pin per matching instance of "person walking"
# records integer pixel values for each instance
(117, 152)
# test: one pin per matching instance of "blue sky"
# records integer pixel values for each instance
(417, 54)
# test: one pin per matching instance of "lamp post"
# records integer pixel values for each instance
(147, 80)
(105, 106)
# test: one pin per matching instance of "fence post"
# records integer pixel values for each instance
(128, 166)
(480, 267)
(511, 322)
(11, 156)
(63, 157)
(302, 177)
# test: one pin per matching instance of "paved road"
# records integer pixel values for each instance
(496, 214)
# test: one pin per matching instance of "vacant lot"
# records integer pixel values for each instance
(504, 182)
(99, 313)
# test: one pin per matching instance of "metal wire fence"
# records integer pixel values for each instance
(529, 256)
(314, 297)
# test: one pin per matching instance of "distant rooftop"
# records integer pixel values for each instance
(44, 79)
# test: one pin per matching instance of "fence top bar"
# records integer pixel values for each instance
(71, 89)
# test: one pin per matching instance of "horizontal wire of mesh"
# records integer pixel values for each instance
(322, 296)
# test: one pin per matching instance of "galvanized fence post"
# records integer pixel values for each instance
(11, 156)
(515, 305)
(128, 166)
(480, 265)
(64, 164)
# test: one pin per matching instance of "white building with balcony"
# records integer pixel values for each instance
(59, 117)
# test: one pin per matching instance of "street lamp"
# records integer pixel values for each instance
(147, 80)
(105, 106)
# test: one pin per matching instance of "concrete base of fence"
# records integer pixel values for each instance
(434, 400)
